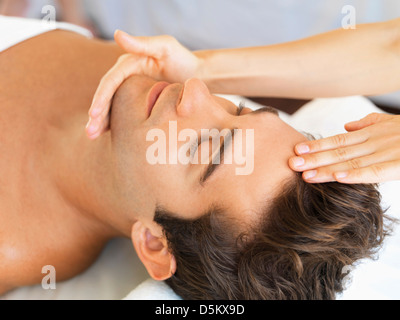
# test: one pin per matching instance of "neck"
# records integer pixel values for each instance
(61, 73)
(84, 177)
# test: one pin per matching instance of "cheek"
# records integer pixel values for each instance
(165, 181)
(172, 187)
(169, 189)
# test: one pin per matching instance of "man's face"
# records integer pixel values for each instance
(140, 110)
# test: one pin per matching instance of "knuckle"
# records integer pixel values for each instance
(169, 44)
(124, 57)
(313, 161)
(377, 171)
(340, 140)
(168, 37)
(316, 145)
(355, 164)
(341, 154)
(374, 117)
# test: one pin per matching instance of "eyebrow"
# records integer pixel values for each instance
(212, 167)
(267, 110)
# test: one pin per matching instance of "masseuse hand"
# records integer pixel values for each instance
(161, 58)
(368, 153)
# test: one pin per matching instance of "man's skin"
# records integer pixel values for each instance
(66, 195)
(44, 109)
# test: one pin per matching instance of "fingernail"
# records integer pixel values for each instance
(341, 175)
(303, 148)
(298, 161)
(91, 128)
(310, 174)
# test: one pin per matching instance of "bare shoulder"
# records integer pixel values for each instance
(24, 258)
(5, 289)
(5, 275)
(37, 233)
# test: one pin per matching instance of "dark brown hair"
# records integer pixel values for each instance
(298, 250)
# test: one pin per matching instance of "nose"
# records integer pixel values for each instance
(195, 96)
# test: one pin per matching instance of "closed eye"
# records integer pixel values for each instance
(196, 144)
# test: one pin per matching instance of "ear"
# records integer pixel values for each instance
(152, 249)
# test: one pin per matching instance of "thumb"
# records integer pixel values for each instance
(148, 46)
(369, 120)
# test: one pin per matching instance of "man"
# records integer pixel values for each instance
(43, 95)
(66, 196)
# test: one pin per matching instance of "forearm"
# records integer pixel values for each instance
(13, 7)
(72, 11)
(365, 61)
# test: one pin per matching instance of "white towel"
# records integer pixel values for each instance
(153, 290)
(16, 30)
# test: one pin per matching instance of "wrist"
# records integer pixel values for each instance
(214, 69)
(203, 70)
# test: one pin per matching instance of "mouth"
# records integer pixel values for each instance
(153, 96)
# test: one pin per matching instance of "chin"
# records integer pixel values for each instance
(125, 115)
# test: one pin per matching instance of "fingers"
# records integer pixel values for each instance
(332, 172)
(130, 43)
(369, 154)
(123, 69)
(378, 173)
(342, 140)
(369, 120)
(325, 158)
(338, 141)
(102, 127)
(376, 167)
(126, 66)
(110, 83)
(154, 47)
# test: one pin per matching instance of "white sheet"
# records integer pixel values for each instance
(118, 273)
(16, 30)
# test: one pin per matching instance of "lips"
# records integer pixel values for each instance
(154, 94)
